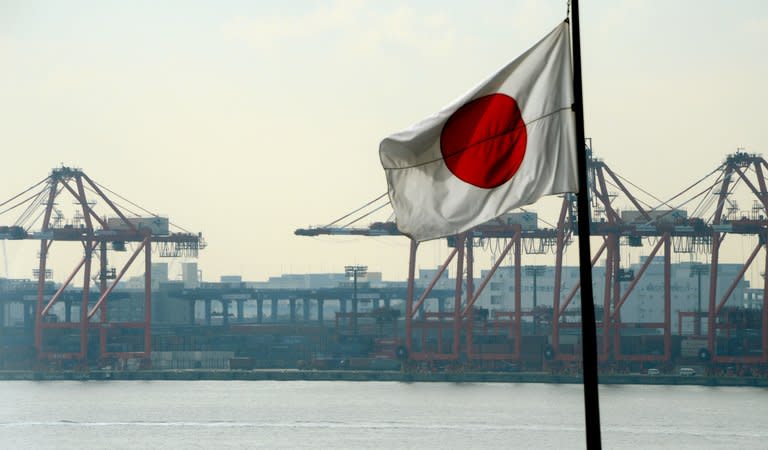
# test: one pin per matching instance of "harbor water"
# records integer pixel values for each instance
(340, 414)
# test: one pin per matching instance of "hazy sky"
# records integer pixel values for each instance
(245, 120)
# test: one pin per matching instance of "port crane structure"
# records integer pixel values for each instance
(649, 224)
(99, 231)
(702, 221)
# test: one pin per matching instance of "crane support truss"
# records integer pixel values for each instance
(95, 234)
(425, 332)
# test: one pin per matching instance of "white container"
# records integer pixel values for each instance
(658, 216)
(527, 220)
(157, 226)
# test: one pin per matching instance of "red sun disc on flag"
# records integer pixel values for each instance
(483, 142)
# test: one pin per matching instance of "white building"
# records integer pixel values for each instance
(190, 275)
(644, 304)
(313, 281)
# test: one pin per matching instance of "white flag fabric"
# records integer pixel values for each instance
(504, 144)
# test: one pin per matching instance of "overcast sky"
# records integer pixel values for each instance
(246, 120)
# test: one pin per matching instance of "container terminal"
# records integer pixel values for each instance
(655, 317)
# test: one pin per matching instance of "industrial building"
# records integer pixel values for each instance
(651, 312)
(689, 289)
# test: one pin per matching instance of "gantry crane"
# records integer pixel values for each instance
(651, 225)
(42, 221)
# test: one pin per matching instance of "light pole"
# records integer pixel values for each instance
(353, 272)
(698, 269)
(535, 271)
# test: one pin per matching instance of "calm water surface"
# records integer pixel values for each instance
(315, 414)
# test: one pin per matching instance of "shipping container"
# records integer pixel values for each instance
(689, 348)
(158, 226)
(359, 363)
(670, 216)
(384, 364)
(527, 220)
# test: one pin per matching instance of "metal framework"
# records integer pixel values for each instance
(95, 233)
(461, 334)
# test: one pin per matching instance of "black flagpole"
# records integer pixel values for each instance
(588, 326)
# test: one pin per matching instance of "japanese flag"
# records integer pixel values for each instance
(504, 144)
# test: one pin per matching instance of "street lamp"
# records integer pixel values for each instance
(535, 271)
(354, 272)
(698, 269)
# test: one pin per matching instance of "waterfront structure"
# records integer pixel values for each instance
(662, 230)
(644, 305)
(433, 318)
